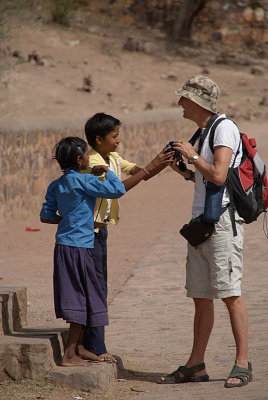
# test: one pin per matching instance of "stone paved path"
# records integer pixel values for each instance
(151, 323)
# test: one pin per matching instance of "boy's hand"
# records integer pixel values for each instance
(98, 170)
(163, 158)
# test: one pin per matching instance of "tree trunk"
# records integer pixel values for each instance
(183, 23)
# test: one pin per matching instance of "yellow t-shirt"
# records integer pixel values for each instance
(101, 204)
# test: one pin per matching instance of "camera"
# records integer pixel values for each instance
(169, 147)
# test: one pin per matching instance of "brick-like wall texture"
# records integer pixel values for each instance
(26, 146)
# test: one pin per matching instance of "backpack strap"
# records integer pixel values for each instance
(212, 133)
(231, 207)
(201, 136)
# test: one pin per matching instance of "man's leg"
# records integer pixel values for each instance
(239, 322)
(203, 324)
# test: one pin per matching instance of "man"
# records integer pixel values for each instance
(214, 268)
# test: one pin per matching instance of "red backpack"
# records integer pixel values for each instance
(247, 184)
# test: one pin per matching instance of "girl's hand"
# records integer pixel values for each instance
(98, 170)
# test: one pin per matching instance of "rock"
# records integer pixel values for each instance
(205, 71)
(259, 14)
(257, 70)
(171, 76)
(242, 83)
(132, 44)
(19, 55)
(87, 84)
(149, 106)
(247, 14)
(232, 106)
(34, 58)
(217, 36)
(73, 43)
(147, 47)
(264, 101)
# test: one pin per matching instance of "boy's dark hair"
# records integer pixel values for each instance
(99, 125)
(67, 151)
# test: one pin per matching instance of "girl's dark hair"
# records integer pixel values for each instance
(67, 151)
(99, 125)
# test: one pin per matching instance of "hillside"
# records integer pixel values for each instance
(106, 65)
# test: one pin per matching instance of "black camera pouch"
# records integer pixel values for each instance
(197, 231)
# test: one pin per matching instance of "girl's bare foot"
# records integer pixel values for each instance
(108, 358)
(74, 361)
(86, 355)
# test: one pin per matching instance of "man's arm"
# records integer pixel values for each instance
(216, 172)
(188, 174)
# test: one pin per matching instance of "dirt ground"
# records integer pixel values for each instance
(122, 81)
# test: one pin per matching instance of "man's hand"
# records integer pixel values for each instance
(185, 148)
(98, 170)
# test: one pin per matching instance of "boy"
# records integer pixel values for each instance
(102, 133)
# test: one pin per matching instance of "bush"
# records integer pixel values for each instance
(60, 10)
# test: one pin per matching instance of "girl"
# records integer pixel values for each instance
(78, 297)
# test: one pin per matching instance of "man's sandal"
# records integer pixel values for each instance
(244, 374)
(188, 375)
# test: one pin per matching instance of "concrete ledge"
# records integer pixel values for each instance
(76, 124)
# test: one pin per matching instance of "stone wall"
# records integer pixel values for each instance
(231, 23)
(26, 152)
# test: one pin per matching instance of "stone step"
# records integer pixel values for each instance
(13, 309)
(32, 353)
(29, 353)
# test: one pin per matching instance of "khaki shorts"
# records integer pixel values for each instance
(214, 269)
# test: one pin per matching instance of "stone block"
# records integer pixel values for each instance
(30, 358)
(5, 313)
(95, 377)
(32, 353)
(13, 304)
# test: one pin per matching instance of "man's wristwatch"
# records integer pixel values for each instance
(195, 157)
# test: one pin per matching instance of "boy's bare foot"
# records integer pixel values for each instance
(74, 362)
(86, 355)
(108, 358)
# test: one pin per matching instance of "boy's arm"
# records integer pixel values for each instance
(155, 166)
(151, 174)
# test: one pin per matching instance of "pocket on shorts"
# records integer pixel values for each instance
(224, 223)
